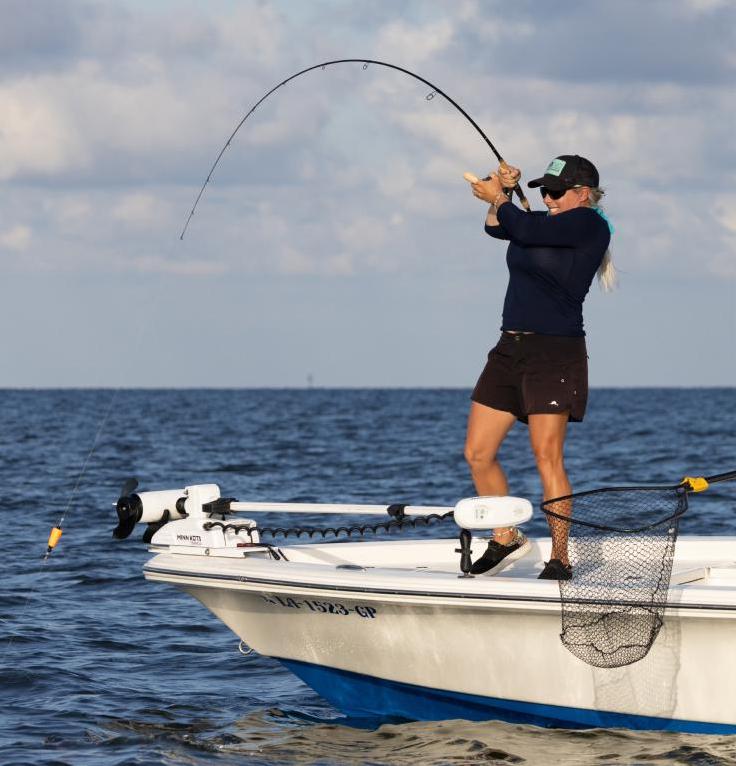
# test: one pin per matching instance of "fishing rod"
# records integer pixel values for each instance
(365, 62)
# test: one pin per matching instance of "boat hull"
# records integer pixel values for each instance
(366, 697)
(437, 646)
(482, 663)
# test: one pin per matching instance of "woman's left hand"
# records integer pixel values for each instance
(509, 175)
(488, 190)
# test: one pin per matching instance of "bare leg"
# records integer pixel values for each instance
(547, 436)
(487, 428)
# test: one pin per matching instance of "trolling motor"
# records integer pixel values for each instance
(190, 516)
(486, 513)
(196, 516)
(152, 508)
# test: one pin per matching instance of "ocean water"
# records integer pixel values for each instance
(98, 666)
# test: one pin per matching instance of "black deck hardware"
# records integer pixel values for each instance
(397, 510)
(466, 562)
(219, 507)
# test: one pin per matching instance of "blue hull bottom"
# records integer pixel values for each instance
(365, 697)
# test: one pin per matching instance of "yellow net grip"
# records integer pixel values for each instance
(696, 483)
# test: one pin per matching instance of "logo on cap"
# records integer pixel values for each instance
(555, 167)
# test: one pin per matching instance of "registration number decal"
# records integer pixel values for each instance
(323, 607)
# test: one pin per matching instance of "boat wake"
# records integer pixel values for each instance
(277, 736)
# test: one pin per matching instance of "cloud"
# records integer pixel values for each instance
(38, 34)
(706, 6)
(413, 43)
(16, 238)
(37, 136)
(723, 260)
(580, 41)
(114, 112)
(125, 96)
(156, 264)
(363, 232)
(127, 113)
(70, 210)
(726, 212)
(140, 209)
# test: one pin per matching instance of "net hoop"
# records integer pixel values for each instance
(679, 488)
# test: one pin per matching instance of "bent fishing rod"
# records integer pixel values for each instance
(365, 62)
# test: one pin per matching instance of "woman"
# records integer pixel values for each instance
(537, 373)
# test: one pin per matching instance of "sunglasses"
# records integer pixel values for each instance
(553, 193)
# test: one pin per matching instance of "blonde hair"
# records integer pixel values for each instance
(607, 277)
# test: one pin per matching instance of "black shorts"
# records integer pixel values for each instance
(535, 374)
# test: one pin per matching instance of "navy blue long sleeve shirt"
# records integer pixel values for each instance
(552, 260)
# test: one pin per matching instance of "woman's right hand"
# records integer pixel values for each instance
(508, 175)
(488, 189)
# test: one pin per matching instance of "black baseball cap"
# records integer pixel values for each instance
(566, 172)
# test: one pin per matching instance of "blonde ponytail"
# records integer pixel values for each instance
(607, 277)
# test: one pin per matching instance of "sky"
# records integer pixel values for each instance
(338, 244)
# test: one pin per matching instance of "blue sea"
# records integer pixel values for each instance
(98, 666)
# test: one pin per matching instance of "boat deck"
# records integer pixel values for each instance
(703, 573)
(697, 559)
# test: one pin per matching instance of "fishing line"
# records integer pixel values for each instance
(435, 91)
(56, 531)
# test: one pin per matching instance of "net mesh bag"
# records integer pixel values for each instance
(621, 544)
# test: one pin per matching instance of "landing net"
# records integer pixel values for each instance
(621, 543)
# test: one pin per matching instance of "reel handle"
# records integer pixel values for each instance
(519, 193)
(510, 193)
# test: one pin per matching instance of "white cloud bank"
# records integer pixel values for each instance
(113, 114)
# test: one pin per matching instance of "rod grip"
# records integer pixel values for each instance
(524, 201)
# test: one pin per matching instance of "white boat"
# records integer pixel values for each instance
(394, 630)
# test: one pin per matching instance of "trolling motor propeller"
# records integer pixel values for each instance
(129, 508)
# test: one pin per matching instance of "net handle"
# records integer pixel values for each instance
(729, 476)
(701, 483)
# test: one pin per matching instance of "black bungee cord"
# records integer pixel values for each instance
(398, 522)
(365, 62)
